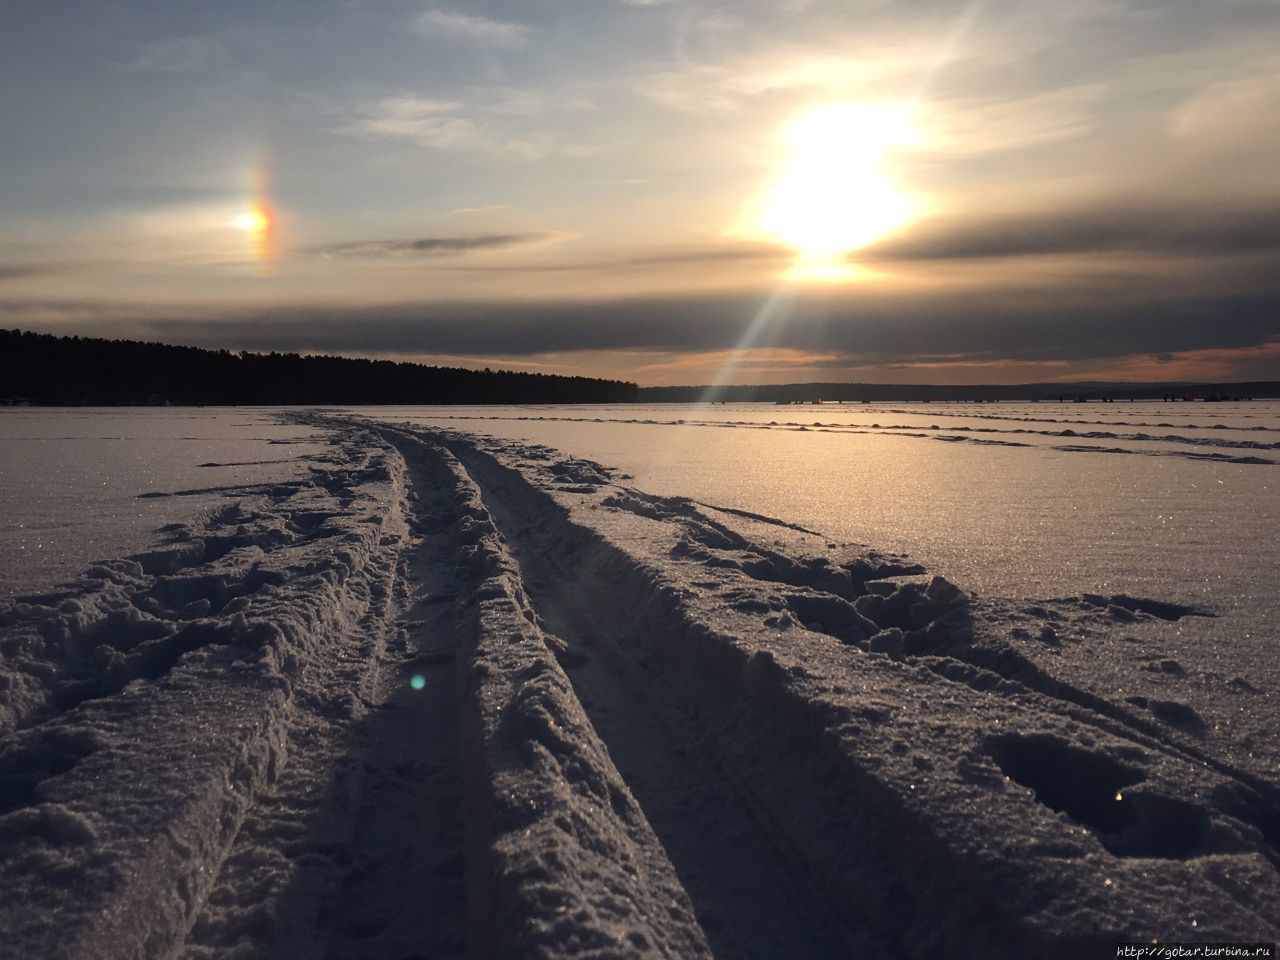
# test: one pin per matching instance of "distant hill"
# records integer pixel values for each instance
(889, 392)
(62, 371)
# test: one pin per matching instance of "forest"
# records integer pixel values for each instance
(45, 369)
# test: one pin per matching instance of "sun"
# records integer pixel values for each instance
(832, 195)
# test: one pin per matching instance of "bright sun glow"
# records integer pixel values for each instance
(259, 227)
(252, 221)
(833, 196)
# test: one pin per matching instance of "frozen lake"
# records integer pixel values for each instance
(1055, 515)
(1014, 499)
(89, 484)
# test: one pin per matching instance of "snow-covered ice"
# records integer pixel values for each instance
(579, 687)
(70, 480)
(1022, 521)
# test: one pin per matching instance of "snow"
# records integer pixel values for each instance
(78, 486)
(513, 686)
(1019, 521)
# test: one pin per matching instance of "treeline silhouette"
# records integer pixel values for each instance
(81, 371)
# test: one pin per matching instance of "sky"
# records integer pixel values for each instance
(666, 191)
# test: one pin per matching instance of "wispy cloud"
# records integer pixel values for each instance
(1227, 126)
(974, 126)
(485, 122)
(518, 102)
(21, 271)
(180, 54)
(874, 59)
(484, 208)
(1202, 231)
(464, 26)
(429, 246)
(664, 259)
(431, 123)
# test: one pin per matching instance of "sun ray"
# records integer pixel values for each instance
(772, 312)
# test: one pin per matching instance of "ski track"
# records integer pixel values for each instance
(724, 855)
(454, 697)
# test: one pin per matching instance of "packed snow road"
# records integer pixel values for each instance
(453, 696)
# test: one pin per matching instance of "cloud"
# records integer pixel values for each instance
(464, 26)
(1042, 325)
(1206, 230)
(428, 246)
(517, 102)
(876, 51)
(489, 122)
(20, 271)
(431, 123)
(976, 126)
(1226, 131)
(181, 54)
(483, 208)
(719, 253)
(686, 255)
